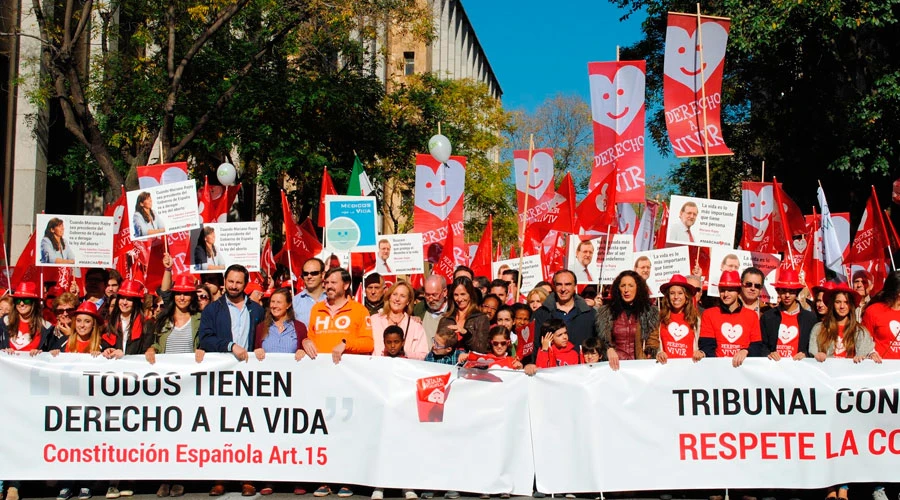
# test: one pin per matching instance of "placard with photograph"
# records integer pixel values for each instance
(530, 273)
(658, 266)
(219, 245)
(74, 241)
(163, 209)
(701, 222)
(399, 254)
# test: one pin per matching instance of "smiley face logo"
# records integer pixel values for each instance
(343, 234)
(682, 59)
(615, 102)
(539, 178)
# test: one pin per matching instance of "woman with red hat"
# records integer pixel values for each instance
(839, 335)
(679, 321)
(87, 336)
(785, 328)
(730, 330)
(882, 318)
(127, 328)
(24, 329)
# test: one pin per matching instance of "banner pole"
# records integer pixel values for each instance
(6, 261)
(703, 98)
(762, 177)
(525, 215)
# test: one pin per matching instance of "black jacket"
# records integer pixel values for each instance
(771, 320)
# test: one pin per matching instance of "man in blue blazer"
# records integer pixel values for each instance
(228, 324)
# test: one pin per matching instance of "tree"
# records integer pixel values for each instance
(475, 123)
(812, 85)
(169, 70)
(562, 122)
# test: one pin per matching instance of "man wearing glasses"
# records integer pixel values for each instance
(568, 306)
(313, 276)
(752, 280)
(434, 306)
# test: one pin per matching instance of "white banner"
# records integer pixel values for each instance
(357, 422)
(74, 241)
(767, 424)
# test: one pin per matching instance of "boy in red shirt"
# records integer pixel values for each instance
(555, 347)
(730, 330)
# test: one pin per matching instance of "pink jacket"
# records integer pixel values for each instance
(416, 345)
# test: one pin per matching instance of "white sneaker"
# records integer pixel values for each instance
(879, 494)
(410, 495)
(126, 493)
(378, 494)
(113, 492)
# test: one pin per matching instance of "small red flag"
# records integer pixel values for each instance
(327, 188)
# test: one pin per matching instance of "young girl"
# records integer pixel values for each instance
(505, 317)
(679, 321)
(839, 335)
(86, 337)
(590, 350)
(500, 341)
(393, 342)
(24, 329)
(555, 347)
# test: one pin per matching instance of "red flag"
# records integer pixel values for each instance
(447, 263)
(813, 265)
(125, 250)
(895, 240)
(663, 227)
(166, 173)
(787, 217)
(512, 252)
(438, 198)
(216, 201)
(871, 236)
(553, 254)
(268, 259)
(26, 270)
(597, 211)
(300, 241)
(481, 263)
(692, 93)
(525, 337)
(327, 188)
(535, 187)
(498, 255)
(566, 222)
(617, 110)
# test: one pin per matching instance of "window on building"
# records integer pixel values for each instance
(410, 63)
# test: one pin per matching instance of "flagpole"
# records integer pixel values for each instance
(6, 261)
(603, 262)
(525, 214)
(703, 98)
(893, 235)
(762, 177)
(883, 228)
(788, 241)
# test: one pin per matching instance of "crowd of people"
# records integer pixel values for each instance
(474, 321)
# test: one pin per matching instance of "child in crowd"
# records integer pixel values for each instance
(521, 315)
(393, 342)
(500, 342)
(444, 348)
(590, 350)
(555, 347)
(505, 317)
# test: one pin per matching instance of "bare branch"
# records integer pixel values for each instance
(26, 35)
(67, 23)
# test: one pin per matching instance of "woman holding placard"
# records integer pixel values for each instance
(144, 222)
(53, 246)
(206, 257)
(679, 321)
(472, 325)
(629, 325)
(397, 310)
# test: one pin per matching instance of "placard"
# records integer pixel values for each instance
(218, 245)
(727, 259)
(701, 222)
(530, 273)
(74, 241)
(351, 223)
(617, 258)
(399, 254)
(658, 266)
(163, 209)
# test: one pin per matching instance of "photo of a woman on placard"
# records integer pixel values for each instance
(53, 246)
(206, 257)
(145, 221)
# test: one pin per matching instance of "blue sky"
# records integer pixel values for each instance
(538, 49)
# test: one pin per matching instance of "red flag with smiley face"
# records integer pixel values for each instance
(440, 188)
(617, 109)
(692, 84)
(534, 188)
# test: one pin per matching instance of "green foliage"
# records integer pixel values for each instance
(811, 88)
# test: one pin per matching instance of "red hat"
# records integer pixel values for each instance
(252, 287)
(26, 290)
(268, 293)
(844, 288)
(788, 279)
(54, 291)
(824, 287)
(678, 280)
(89, 308)
(730, 279)
(131, 288)
(185, 283)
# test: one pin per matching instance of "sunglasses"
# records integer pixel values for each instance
(27, 302)
(202, 296)
(757, 286)
(499, 343)
(183, 293)
(64, 310)
(310, 273)
(156, 306)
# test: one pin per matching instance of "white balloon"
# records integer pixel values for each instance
(226, 174)
(440, 148)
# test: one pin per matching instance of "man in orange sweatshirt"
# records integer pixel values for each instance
(338, 324)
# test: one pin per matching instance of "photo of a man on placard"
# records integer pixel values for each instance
(584, 257)
(382, 266)
(683, 229)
